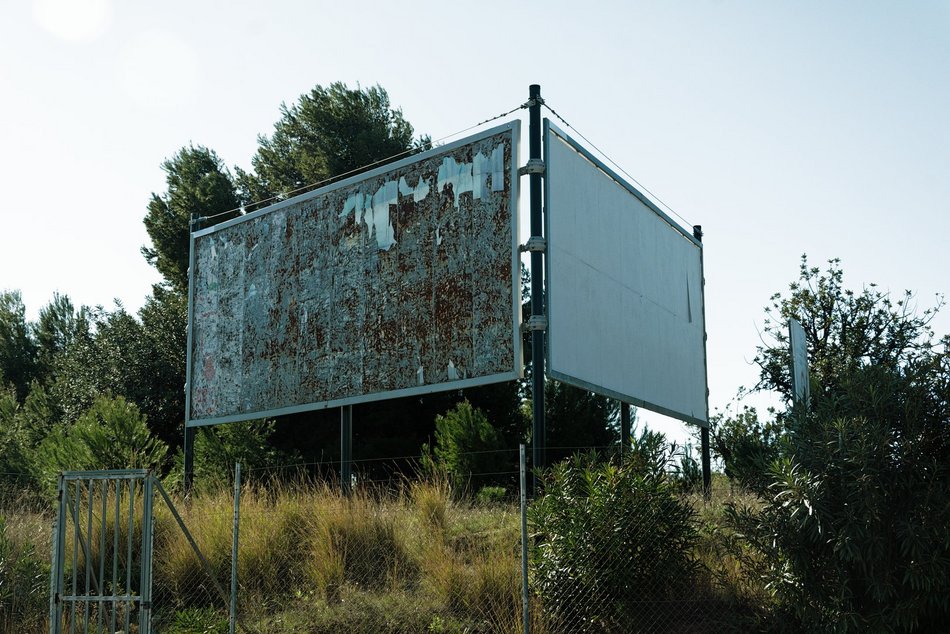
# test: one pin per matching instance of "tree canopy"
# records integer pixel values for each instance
(198, 185)
(328, 132)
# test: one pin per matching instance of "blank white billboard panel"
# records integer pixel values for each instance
(625, 289)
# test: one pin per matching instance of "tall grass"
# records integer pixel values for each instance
(410, 558)
(305, 549)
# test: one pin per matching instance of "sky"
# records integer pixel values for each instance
(783, 128)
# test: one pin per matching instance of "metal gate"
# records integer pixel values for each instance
(101, 570)
(100, 578)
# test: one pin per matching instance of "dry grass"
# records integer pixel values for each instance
(409, 559)
(307, 549)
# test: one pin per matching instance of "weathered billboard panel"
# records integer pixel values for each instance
(396, 282)
(625, 289)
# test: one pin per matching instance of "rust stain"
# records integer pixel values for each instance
(307, 304)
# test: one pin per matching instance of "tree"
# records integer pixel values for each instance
(851, 531)
(328, 132)
(59, 325)
(468, 446)
(577, 419)
(844, 329)
(111, 434)
(198, 185)
(18, 350)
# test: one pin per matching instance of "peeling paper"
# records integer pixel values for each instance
(473, 177)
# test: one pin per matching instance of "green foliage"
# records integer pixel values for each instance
(198, 185)
(467, 445)
(844, 329)
(142, 360)
(112, 434)
(577, 419)
(688, 470)
(610, 531)
(18, 350)
(747, 446)
(24, 583)
(851, 534)
(328, 132)
(650, 453)
(13, 445)
(219, 447)
(199, 621)
(491, 496)
(59, 325)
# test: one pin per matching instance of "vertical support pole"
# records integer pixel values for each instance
(537, 286)
(115, 552)
(189, 471)
(704, 431)
(87, 555)
(189, 439)
(77, 544)
(624, 429)
(57, 567)
(145, 581)
(234, 547)
(526, 613)
(346, 449)
(104, 493)
(128, 557)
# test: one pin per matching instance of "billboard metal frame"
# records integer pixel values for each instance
(550, 128)
(514, 127)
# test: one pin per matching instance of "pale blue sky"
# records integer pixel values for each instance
(782, 127)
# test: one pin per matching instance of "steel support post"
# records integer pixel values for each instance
(346, 449)
(624, 429)
(704, 431)
(537, 287)
(189, 470)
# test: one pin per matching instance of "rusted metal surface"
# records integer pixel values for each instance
(395, 283)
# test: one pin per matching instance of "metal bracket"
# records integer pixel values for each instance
(534, 166)
(535, 322)
(534, 101)
(534, 243)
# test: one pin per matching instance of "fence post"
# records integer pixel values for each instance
(234, 547)
(56, 569)
(524, 544)
(145, 583)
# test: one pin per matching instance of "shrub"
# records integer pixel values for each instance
(468, 446)
(112, 434)
(24, 583)
(608, 537)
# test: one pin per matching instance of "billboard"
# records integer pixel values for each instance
(798, 354)
(396, 282)
(624, 288)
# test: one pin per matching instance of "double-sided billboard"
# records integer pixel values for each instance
(624, 288)
(396, 282)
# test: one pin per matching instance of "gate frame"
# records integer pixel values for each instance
(57, 569)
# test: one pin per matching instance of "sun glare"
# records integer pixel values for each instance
(73, 20)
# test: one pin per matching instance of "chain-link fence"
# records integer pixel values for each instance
(609, 550)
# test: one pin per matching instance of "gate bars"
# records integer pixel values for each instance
(88, 595)
(101, 568)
